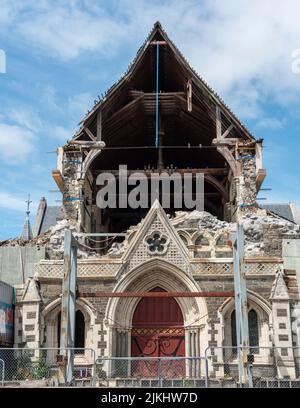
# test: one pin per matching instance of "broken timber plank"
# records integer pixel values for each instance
(58, 178)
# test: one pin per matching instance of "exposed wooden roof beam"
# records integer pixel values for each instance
(212, 171)
(89, 133)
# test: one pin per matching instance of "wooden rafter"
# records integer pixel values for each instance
(89, 133)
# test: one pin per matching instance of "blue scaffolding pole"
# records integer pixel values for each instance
(157, 90)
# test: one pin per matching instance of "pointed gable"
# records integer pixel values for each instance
(178, 69)
(156, 238)
(27, 231)
(279, 289)
(31, 292)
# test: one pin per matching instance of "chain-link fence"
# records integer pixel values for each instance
(269, 367)
(2, 368)
(44, 367)
(151, 371)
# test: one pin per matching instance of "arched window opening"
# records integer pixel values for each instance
(253, 331)
(58, 328)
(223, 249)
(201, 241)
(202, 249)
(185, 241)
(79, 330)
(233, 330)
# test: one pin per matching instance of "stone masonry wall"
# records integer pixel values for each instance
(248, 187)
(52, 290)
(72, 193)
(260, 285)
(273, 235)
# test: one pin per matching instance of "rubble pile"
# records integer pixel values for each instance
(53, 240)
(199, 220)
(254, 225)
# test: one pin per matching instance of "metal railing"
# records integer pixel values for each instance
(152, 371)
(43, 365)
(269, 367)
(273, 367)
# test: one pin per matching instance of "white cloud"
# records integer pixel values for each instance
(72, 109)
(61, 133)
(16, 143)
(270, 123)
(24, 117)
(66, 30)
(244, 50)
(6, 11)
(49, 96)
(79, 104)
(244, 99)
(17, 203)
(7, 200)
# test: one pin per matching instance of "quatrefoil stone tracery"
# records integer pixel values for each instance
(157, 243)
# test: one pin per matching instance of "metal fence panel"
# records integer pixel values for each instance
(273, 367)
(151, 371)
(2, 368)
(43, 365)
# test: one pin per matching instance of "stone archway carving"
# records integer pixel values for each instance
(264, 314)
(50, 321)
(156, 272)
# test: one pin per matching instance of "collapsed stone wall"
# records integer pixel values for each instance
(266, 232)
(53, 241)
(263, 234)
(263, 231)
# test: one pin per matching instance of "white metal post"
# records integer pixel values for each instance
(241, 307)
(67, 336)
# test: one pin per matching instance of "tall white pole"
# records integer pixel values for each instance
(241, 307)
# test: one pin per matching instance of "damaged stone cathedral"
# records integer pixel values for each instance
(160, 249)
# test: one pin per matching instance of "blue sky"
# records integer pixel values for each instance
(60, 55)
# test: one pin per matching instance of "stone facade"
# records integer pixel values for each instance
(108, 321)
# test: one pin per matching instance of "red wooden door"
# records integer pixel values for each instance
(157, 332)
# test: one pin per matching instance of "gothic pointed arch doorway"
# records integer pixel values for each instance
(121, 325)
(157, 331)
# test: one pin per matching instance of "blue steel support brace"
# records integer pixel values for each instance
(157, 78)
